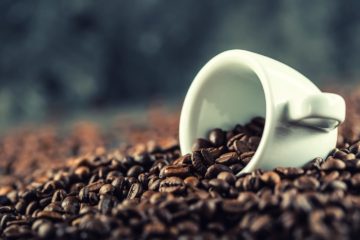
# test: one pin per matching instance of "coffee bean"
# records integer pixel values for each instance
(217, 137)
(215, 169)
(219, 185)
(228, 158)
(197, 162)
(306, 183)
(227, 176)
(184, 160)
(154, 185)
(54, 207)
(134, 171)
(236, 168)
(134, 191)
(21, 206)
(355, 180)
(333, 164)
(31, 207)
(95, 186)
(82, 172)
(270, 178)
(46, 230)
(201, 143)
(192, 181)
(53, 216)
(58, 195)
(177, 171)
(71, 205)
(172, 185)
(207, 156)
(107, 189)
(289, 172)
(106, 203)
(260, 223)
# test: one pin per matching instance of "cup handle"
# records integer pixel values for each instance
(323, 111)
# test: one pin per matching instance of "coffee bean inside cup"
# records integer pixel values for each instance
(233, 148)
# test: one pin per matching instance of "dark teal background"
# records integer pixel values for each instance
(60, 56)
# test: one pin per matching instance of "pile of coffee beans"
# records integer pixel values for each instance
(150, 191)
(233, 148)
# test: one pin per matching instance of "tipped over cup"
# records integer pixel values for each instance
(236, 86)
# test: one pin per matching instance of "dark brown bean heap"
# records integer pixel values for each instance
(155, 193)
(233, 148)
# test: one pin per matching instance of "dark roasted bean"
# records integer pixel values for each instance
(197, 162)
(270, 178)
(58, 195)
(228, 158)
(217, 137)
(135, 170)
(176, 170)
(107, 189)
(227, 176)
(191, 181)
(71, 205)
(333, 164)
(201, 143)
(172, 185)
(134, 191)
(215, 169)
(306, 183)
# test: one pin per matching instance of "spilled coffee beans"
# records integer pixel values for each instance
(158, 194)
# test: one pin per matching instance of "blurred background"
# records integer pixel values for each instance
(63, 58)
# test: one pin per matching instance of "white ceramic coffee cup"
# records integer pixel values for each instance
(237, 85)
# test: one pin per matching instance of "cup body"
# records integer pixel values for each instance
(238, 85)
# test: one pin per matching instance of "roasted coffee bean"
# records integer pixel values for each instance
(207, 156)
(46, 230)
(236, 168)
(134, 171)
(184, 160)
(107, 189)
(176, 170)
(306, 183)
(227, 177)
(217, 137)
(289, 172)
(53, 216)
(197, 162)
(241, 146)
(134, 191)
(228, 158)
(201, 143)
(58, 195)
(192, 181)
(215, 169)
(333, 164)
(219, 185)
(31, 207)
(106, 203)
(270, 178)
(82, 172)
(172, 185)
(71, 205)
(21, 206)
(54, 207)
(118, 183)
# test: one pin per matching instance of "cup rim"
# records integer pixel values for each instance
(242, 58)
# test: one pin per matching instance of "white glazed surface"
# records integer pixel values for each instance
(238, 85)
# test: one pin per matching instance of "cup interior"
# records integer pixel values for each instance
(231, 93)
